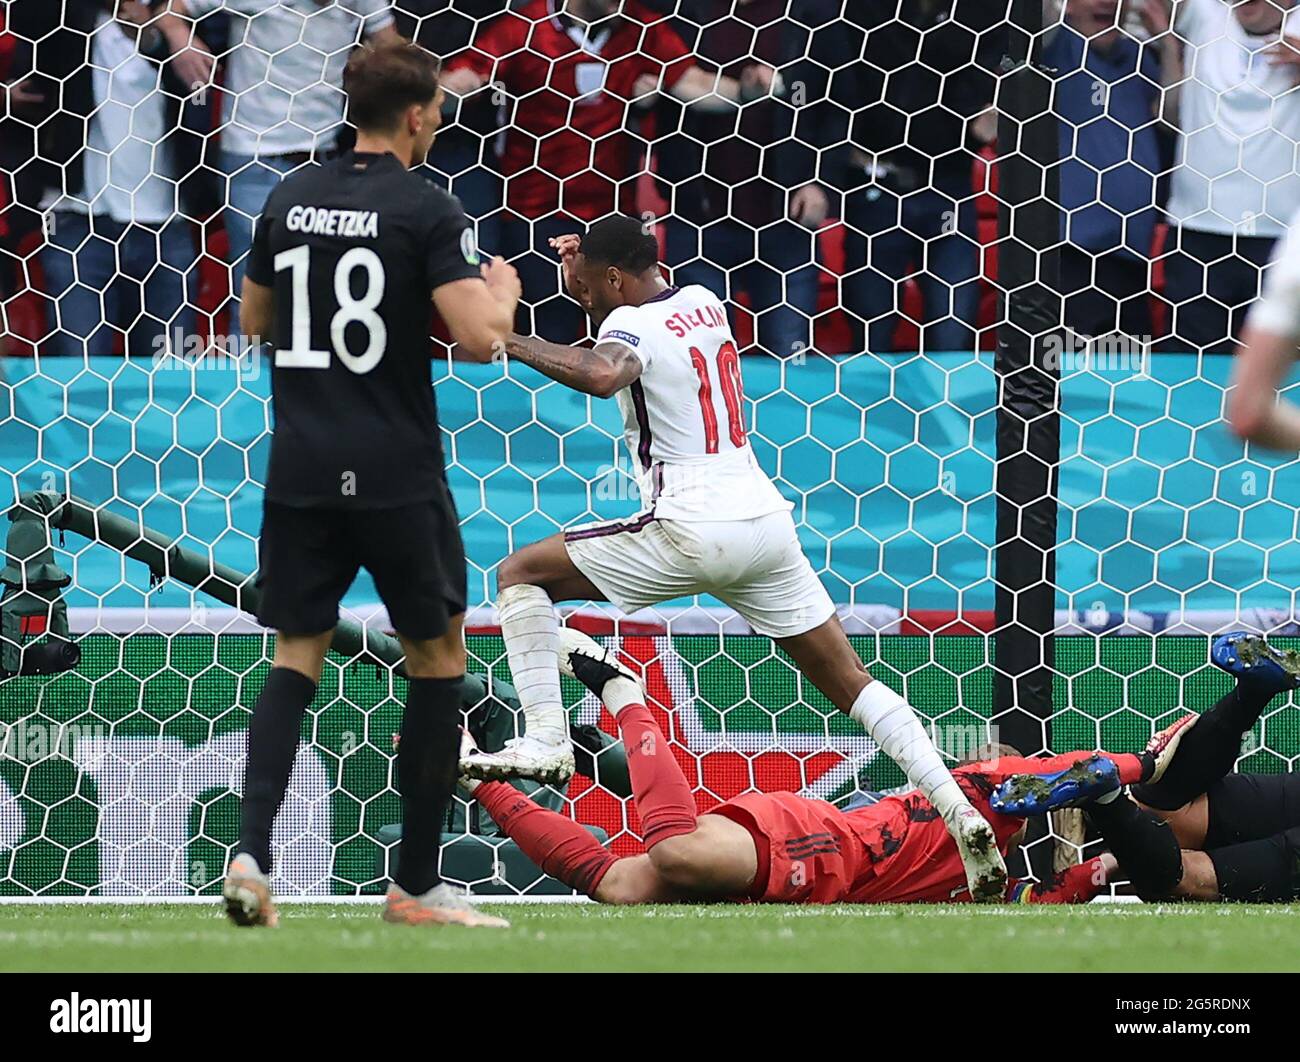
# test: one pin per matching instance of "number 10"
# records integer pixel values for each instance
(733, 394)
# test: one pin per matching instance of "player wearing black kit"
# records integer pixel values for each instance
(339, 279)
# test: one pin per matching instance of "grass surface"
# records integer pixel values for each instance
(543, 937)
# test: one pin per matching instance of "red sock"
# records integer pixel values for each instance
(1130, 767)
(1129, 764)
(560, 846)
(662, 794)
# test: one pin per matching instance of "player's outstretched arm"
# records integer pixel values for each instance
(480, 313)
(1254, 410)
(1269, 348)
(602, 370)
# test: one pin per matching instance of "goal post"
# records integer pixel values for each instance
(1028, 426)
(1028, 421)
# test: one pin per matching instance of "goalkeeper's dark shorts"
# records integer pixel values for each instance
(308, 558)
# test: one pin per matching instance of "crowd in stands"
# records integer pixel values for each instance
(827, 163)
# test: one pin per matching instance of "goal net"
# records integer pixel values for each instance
(833, 169)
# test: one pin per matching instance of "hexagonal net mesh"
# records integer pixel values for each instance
(831, 170)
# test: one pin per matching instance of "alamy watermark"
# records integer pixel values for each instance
(184, 351)
(1070, 351)
(34, 740)
(75, 1014)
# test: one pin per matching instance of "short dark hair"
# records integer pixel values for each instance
(990, 750)
(381, 82)
(626, 243)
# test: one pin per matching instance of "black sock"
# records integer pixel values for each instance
(272, 744)
(1208, 751)
(1265, 871)
(1147, 850)
(428, 760)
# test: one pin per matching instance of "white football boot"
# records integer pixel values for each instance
(593, 665)
(522, 757)
(247, 893)
(986, 871)
(443, 905)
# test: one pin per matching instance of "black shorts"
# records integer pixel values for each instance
(308, 559)
(1249, 807)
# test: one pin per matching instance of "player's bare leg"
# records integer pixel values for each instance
(1200, 881)
(529, 582)
(1190, 823)
(829, 662)
(634, 880)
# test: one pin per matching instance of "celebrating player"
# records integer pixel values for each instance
(770, 847)
(1199, 832)
(714, 524)
(339, 278)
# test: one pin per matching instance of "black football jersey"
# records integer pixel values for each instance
(353, 250)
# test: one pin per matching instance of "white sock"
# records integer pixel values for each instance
(895, 728)
(618, 693)
(532, 637)
(1106, 798)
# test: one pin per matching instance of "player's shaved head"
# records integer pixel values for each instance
(618, 265)
(622, 242)
(382, 82)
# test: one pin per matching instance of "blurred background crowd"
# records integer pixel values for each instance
(825, 163)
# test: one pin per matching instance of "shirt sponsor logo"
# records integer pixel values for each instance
(625, 337)
(317, 221)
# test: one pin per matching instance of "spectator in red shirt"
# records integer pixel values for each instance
(570, 69)
(746, 204)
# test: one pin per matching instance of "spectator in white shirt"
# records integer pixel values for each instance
(118, 260)
(1235, 98)
(284, 90)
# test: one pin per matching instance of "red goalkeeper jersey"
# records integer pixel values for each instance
(895, 851)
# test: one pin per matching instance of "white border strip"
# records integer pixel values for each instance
(286, 901)
(688, 619)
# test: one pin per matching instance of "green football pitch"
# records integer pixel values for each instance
(551, 937)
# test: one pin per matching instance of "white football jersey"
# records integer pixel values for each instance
(684, 417)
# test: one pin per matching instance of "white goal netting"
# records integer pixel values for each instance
(833, 169)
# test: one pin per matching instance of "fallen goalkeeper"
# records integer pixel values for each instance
(1199, 832)
(774, 847)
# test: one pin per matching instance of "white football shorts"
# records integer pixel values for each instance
(756, 566)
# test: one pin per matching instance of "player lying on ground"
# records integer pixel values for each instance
(714, 523)
(1200, 832)
(771, 847)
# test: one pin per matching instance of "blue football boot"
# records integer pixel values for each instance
(1037, 794)
(1250, 659)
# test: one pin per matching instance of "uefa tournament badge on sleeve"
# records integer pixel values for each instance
(469, 247)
